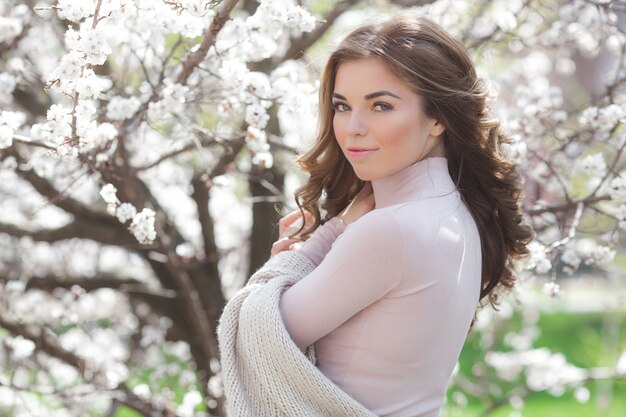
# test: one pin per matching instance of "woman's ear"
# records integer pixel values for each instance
(437, 128)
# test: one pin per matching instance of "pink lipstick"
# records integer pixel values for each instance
(357, 152)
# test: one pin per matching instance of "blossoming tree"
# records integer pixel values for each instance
(144, 143)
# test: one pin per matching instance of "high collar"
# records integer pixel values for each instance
(428, 177)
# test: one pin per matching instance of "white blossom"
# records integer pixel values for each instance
(552, 289)
(299, 18)
(257, 116)
(173, 101)
(264, 159)
(620, 367)
(593, 165)
(9, 28)
(6, 136)
(198, 7)
(543, 369)
(22, 348)
(601, 255)
(515, 151)
(459, 398)
(289, 14)
(142, 226)
(232, 73)
(120, 108)
(58, 113)
(70, 67)
(89, 85)
(588, 117)
(105, 132)
(72, 38)
(611, 115)
(142, 391)
(76, 10)
(85, 109)
(571, 259)
(125, 212)
(94, 45)
(602, 119)
(262, 42)
(537, 258)
(7, 85)
(617, 188)
(582, 395)
(621, 216)
(186, 249)
(256, 140)
(108, 194)
(13, 119)
(504, 16)
(592, 253)
(190, 401)
(229, 107)
(256, 89)
(174, 92)
(58, 125)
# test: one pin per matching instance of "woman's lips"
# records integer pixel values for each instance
(357, 153)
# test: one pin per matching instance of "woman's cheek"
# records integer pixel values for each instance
(390, 135)
(397, 129)
(338, 130)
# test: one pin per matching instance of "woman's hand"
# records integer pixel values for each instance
(287, 225)
(362, 204)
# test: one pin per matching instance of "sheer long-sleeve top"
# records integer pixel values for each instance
(390, 302)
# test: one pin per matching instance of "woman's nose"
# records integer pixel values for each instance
(356, 125)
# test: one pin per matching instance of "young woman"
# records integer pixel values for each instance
(411, 218)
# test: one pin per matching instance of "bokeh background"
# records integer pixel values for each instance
(147, 152)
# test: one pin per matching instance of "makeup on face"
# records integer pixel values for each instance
(378, 120)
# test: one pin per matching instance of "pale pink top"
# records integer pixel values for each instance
(390, 303)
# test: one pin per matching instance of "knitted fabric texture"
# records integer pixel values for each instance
(264, 373)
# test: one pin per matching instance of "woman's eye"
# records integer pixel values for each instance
(382, 107)
(340, 107)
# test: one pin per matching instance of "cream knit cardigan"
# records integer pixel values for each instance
(264, 373)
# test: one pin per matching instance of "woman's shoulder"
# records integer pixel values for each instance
(431, 220)
(376, 221)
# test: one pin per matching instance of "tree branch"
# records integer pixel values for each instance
(301, 44)
(45, 342)
(126, 285)
(59, 199)
(78, 229)
(210, 34)
(565, 206)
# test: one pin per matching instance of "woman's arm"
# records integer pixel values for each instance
(365, 263)
(318, 245)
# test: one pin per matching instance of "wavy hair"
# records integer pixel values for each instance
(439, 69)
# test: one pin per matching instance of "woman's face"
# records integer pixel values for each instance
(375, 110)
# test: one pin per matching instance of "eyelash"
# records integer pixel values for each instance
(386, 107)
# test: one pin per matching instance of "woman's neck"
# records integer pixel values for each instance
(428, 177)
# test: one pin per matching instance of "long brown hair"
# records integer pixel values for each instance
(439, 69)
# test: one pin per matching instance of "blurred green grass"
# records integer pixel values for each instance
(587, 339)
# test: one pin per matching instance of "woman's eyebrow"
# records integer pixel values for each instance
(370, 96)
(381, 93)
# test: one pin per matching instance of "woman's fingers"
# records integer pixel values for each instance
(290, 221)
(282, 245)
(287, 220)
